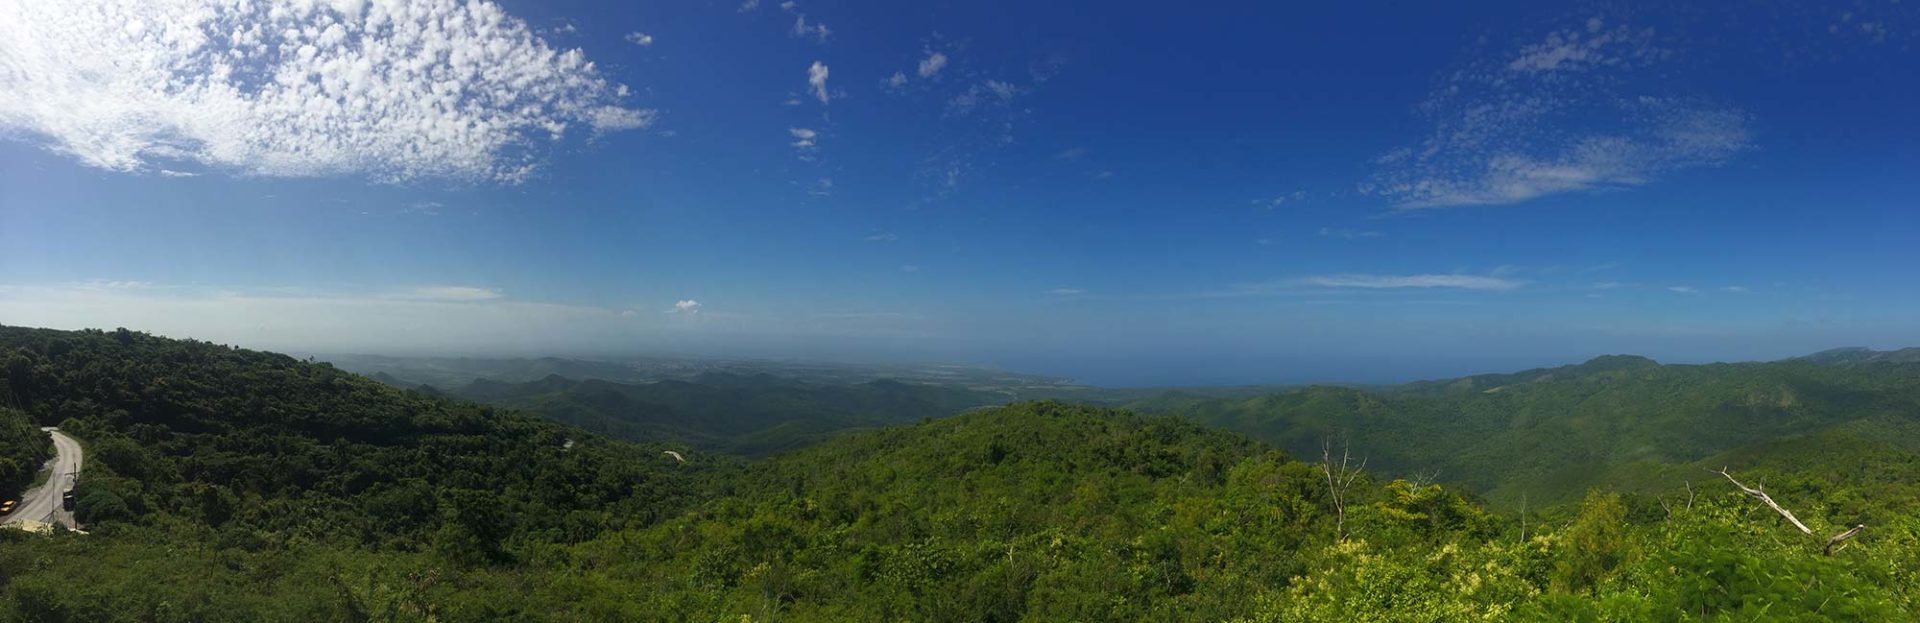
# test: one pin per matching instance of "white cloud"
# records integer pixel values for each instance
(804, 140)
(1550, 119)
(897, 80)
(428, 208)
(1735, 289)
(822, 187)
(816, 30)
(640, 39)
(909, 268)
(1589, 47)
(817, 80)
(986, 92)
(293, 88)
(1467, 282)
(1280, 200)
(173, 173)
(1066, 291)
(449, 293)
(932, 64)
(885, 236)
(1071, 153)
(686, 307)
(1683, 289)
(749, 5)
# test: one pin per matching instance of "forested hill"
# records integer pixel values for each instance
(1548, 435)
(265, 448)
(749, 414)
(231, 485)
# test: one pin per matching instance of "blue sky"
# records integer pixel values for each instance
(1122, 193)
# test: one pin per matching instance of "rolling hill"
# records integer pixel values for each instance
(1550, 434)
(753, 415)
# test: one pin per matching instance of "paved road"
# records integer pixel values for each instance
(42, 503)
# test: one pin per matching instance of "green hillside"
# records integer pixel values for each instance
(232, 485)
(754, 414)
(1548, 435)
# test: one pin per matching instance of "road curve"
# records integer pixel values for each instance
(42, 503)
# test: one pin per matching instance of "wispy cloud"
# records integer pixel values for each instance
(817, 81)
(1066, 291)
(449, 293)
(1464, 282)
(1549, 118)
(885, 236)
(128, 83)
(426, 208)
(1735, 289)
(814, 30)
(805, 141)
(983, 93)
(1683, 289)
(1280, 200)
(932, 64)
(640, 39)
(1348, 234)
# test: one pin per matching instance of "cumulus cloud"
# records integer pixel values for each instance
(686, 307)
(932, 64)
(1550, 118)
(1466, 282)
(897, 80)
(817, 81)
(640, 39)
(436, 88)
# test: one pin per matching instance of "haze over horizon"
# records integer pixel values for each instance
(1120, 194)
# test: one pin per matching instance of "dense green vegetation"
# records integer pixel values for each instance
(1549, 435)
(264, 449)
(743, 414)
(22, 449)
(230, 485)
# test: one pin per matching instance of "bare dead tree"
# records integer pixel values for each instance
(1423, 479)
(1523, 517)
(1758, 494)
(1340, 478)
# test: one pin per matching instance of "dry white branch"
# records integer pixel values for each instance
(1758, 494)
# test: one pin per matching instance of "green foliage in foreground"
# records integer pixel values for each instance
(252, 487)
